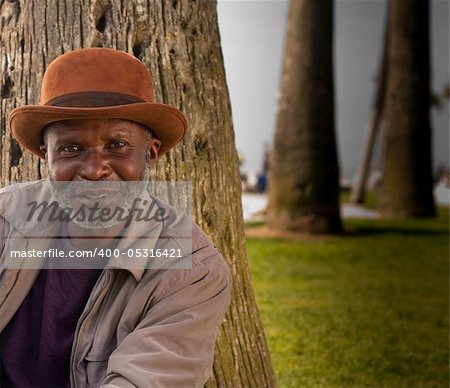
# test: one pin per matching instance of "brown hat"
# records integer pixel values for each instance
(97, 83)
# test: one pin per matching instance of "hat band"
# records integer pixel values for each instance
(93, 99)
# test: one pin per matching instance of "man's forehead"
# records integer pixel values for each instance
(94, 122)
(111, 125)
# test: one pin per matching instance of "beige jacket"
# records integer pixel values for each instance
(140, 327)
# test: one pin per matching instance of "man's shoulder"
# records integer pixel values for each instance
(208, 269)
(16, 199)
(17, 194)
(18, 187)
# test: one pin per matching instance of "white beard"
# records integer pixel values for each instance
(129, 191)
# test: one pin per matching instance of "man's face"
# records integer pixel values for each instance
(98, 150)
(100, 159)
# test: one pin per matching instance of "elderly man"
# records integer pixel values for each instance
(121, 324)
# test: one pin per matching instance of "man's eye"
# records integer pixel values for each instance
(70, 149)
(118, 144)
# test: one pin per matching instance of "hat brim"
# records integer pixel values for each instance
(167, 123)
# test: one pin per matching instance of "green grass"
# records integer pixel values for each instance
(367, 309)
(370, 198)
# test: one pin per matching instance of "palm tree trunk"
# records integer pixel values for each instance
(407, 186)
(304, 176)
(359, 187)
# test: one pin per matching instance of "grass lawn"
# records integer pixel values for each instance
(367, 309)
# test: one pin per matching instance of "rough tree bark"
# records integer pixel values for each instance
(407, 185)
(179, 41)
(304, 174)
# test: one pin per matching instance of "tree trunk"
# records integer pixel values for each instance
(359, 187)
(407, 186)
(179, 41)
(304, 176)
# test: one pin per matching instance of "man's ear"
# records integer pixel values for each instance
(43, 148)
(154, 148)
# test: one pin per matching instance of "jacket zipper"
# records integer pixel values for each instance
(81, 321)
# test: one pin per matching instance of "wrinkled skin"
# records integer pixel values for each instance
(92, 153)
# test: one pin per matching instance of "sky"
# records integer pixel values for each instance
(252, 38)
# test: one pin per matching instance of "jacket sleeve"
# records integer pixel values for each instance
(173, 345)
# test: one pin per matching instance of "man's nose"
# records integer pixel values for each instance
(95, 166)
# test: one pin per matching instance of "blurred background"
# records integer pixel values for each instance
(342, 127)
(351, 279)
(252, 37)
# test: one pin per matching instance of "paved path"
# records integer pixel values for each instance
(255, 204)
(442, 194)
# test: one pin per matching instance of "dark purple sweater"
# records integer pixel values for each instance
(35, 346)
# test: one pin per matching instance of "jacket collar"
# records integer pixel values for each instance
(15, 209)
